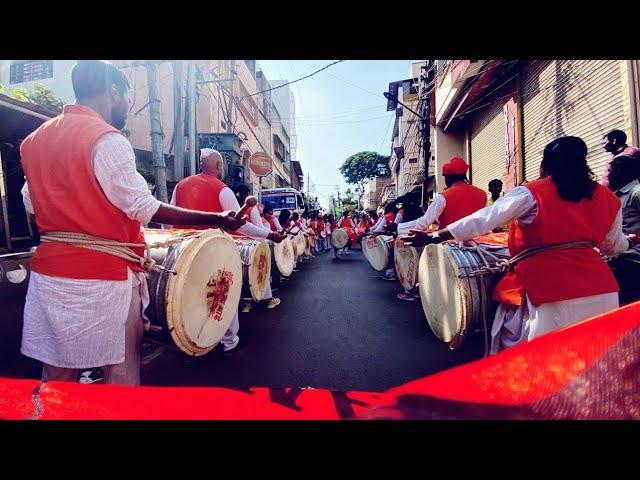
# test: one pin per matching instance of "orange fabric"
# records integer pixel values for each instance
(200, 192)
(390, 217)
(272, 224)
(66, 196)
(562, 274)
(462, 200)
(498, 239)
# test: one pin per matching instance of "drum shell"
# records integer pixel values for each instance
(248, 248)
(338, 240)
(453, 301)
(406, 261)
(164, 289)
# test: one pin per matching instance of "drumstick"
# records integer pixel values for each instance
(250, 201)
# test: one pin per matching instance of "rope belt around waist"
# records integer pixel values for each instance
(506, 264)
(121, 250)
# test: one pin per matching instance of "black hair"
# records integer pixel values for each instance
(451, 179)
(618, 135)
(495, 182)
(284, 216)
(267, 209)
(295, 216)
(565, 161)
(628, 166)
(391, 207)
(92, 78)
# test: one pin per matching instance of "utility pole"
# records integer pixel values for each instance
(178, 124)
(191, 93)
(156, 132)
(426, 79)
(231, 101)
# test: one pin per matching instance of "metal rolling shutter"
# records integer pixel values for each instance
(583, 98)
(487, 132)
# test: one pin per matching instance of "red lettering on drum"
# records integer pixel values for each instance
(217, 293)
(262, 267)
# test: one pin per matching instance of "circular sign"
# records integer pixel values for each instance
(261, 164)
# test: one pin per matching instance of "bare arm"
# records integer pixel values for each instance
(172, 215)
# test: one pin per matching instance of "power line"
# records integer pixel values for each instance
(293, 81)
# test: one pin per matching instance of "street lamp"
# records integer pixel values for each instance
(393, 98)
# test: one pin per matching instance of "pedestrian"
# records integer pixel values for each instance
(623, 181)
(495, 192)
(615, 142)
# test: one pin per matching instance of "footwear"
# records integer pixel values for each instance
(239, 346)
(246, 308)
(91, 376)
(389, 279)
(406, 297)
(273, 303)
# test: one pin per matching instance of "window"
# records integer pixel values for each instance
(30, 70)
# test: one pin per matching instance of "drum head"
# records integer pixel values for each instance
(442, 298)
(323, 234)
(406, 260)
(284, 256)
(339, 238)
(379, 256)
(301, 244)
(203, 296)
(368, 243)
(256, 255)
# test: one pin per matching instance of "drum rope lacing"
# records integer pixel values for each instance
(121, 250)
(506, 264)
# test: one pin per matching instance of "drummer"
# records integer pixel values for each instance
(347, 223)
(495, 192)
(84, 308)
(253, 216)
(385, 221)
(363, 226)
(457, 201)
(207, 191)
(270, 219)
(554, 288)
(284, 219)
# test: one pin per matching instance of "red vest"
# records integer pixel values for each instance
(390, 217)
(272, 224)
(561, 274)
(462, 200)
(321, 225)
(199, 192)
(66, 197)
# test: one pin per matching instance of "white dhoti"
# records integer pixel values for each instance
(513, 325)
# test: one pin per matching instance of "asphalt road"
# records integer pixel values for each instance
(339, 326)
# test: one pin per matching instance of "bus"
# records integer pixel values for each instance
(282, 198)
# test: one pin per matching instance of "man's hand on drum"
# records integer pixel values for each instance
(420, 238)
(228, 221)
(391, 228)
(276, 237)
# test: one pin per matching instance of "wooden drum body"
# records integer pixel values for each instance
(283, 257)
(378, 255)
(195, 307)
(339, 238)
(406, 260)
(256, 266)
(453, 301)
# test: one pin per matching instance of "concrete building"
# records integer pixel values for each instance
(499, 114)
(54, 74)
(373, 192)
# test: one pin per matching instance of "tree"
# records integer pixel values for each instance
(39, 95)
(363, 166)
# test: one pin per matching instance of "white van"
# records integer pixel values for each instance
(282, 198)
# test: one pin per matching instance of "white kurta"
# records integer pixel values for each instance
(432, 215)
(75, 323)
(515, 324)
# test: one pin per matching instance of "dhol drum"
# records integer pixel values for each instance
(194, 307)
(283, 258)
(256, 267)
(406, 260)
(301, 244)
(323, 234)
(339, 238)
(378, 255)
(307, 245)
(455, 299)
(15, 269)
(368, 244)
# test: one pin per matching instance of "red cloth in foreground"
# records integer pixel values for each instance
(587, 371)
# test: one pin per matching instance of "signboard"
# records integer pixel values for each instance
(261, 164)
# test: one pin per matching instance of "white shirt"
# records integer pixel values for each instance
(77, 323)
(430, 216)
(378, 227)
(519, 204)
(229, 202)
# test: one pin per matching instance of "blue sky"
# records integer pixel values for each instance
(339, 111)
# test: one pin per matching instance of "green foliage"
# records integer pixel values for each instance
(1, 88)
(362, 166)
(39, 95)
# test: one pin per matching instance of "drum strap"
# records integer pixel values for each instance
(117, 249)
(503, 264)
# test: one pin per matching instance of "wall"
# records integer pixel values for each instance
(447, 145)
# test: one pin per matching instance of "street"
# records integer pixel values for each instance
(339, 327)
